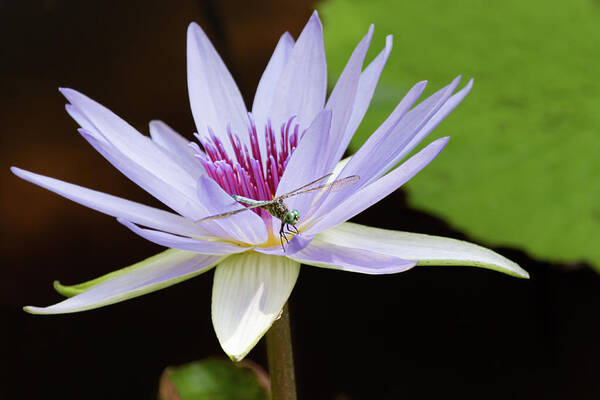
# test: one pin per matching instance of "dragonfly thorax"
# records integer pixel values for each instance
(279, 210)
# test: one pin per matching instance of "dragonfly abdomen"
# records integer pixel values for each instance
(246, 200)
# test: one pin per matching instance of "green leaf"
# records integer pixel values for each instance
(214, 379)
(522, 168)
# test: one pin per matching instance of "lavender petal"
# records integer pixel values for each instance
(423, 249)
(213, 247)
(245, 227)
(177, 147)
(307, 163)
(267, 86)
(433, 122)
(392, 137)
(324, 254)
(366, 87)
(116, 206)
(341, 102)
(302, 86)
(295, 244)
(138, 148)
(214, 97)
(379, 189)
(386, 147)
(183, 203)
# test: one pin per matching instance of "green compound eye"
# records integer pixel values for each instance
(292, 217)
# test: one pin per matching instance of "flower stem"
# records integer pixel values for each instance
(281, 359)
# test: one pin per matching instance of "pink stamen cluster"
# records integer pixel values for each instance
(249, 173)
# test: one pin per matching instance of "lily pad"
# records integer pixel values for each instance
(212, 379)
(522, 168)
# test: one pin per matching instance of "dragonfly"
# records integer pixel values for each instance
(278, 209)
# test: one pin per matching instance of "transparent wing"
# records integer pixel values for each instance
(321, 179)
(230, 213)
(334, 186)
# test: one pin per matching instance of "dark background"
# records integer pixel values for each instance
(426, 333)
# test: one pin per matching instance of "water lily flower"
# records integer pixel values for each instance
(292, 136)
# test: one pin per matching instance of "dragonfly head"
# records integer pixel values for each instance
(292, 217)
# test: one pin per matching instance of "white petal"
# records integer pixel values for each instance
(162, 270)
(177, 147)
(302, 87)
(249, 291)
(116, 206)
(214, 97)
(424, 249)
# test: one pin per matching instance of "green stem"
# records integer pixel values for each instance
(281, 359)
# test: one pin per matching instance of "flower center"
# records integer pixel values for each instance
(249, 172)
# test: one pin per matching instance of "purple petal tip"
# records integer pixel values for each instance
(125, 222)
(66, 91)
(389, 41)
(287, 36)
(442, 142)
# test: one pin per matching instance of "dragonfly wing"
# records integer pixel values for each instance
(230, 213)
(321, 179)
(334, 186)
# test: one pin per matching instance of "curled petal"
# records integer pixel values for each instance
(423, 249)
(249, 292)
(155, 273)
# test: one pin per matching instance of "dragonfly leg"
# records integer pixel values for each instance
(282, 235)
